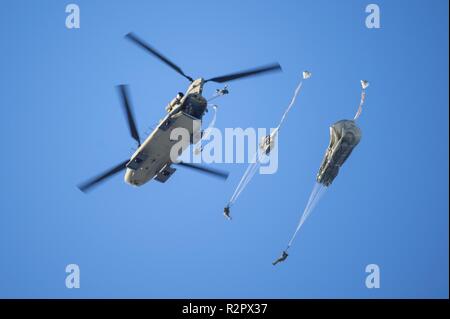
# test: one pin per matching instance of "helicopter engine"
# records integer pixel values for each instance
(175, 101)
(195, 105)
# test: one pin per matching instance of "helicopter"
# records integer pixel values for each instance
(152, 158)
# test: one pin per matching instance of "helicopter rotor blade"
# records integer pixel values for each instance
(87, 186)
(123, 91)
(247, 73)
(158, 55)
(211, 171)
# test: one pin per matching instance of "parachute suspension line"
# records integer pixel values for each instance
(314, 198)
(219, 93)
(306, 75)
(297, 90)
(358, 113)
(245, 179)
(364, 85)
(213, 97)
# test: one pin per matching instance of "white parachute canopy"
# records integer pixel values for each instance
(365, 84)
(306, 75)
(259, 155)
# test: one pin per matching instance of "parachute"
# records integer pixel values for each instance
(344, 136)
(266, 145)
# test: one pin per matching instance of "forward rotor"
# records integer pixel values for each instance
(274, 67)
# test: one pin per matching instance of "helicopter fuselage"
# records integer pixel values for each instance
(153, 159)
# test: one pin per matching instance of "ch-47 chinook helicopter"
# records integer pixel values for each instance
(152, 159)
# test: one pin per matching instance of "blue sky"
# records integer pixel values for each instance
(61, 123)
